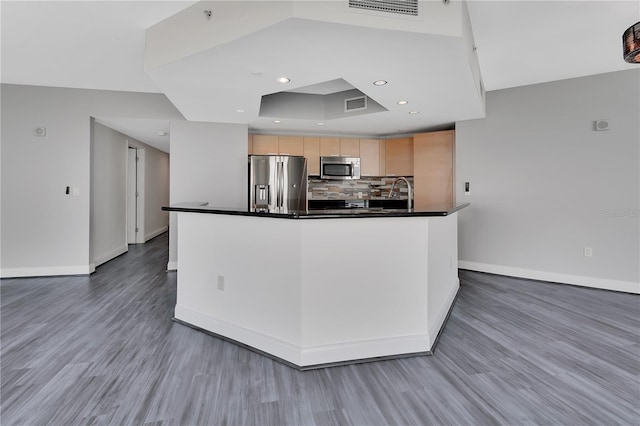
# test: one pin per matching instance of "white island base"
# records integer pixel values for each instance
(315, 292)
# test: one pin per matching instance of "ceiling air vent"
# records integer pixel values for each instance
(403, 7)
(355, 104)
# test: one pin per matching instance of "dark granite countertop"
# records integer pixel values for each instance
(205, 207)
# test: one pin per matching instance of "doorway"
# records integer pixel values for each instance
(135, 195)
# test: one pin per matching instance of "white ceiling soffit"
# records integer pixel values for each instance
(431, 71)
(147, 131)
(100, 44)
(80, 44)
(528, 42)
(325, 88)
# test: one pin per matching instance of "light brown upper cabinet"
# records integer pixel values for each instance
(434, 168)
(250, 146)
(399, 157)
(312, 154)
(350, 147)
(329, 147)
(290, 145)
(265, 145)
(370, 157)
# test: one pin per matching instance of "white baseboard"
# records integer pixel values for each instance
(260, 341)
(111, 254)
(364, 349)
(45, 271)
(172, 265)
(435, 327)
(311, 355)
(155, 233)
(602, 283)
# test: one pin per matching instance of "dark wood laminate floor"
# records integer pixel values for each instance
(103, 350)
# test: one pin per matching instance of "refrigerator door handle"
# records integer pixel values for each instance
(280, 201)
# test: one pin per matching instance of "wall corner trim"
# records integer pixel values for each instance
(554, 277)
(172, 266)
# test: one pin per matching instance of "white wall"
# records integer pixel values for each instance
(108, 194)
(545, 185)
(289, 290)
(156, 192)
(156, 189)
(208, 163)
(45, 231)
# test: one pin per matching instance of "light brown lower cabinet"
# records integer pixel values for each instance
(434, 168)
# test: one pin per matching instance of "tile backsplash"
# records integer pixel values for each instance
(366, 189)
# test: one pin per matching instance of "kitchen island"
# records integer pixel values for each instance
(318, 288)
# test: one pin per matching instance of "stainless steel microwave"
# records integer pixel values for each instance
(342, 168)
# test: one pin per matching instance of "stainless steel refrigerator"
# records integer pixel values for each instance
(277, 183)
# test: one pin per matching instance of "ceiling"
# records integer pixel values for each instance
(101, 45)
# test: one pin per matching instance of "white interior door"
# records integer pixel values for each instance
(132, 196)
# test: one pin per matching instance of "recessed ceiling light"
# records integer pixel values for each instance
(239, 110)
(403, 102)
(414, 112)
(277, 121)
(283, 80)
(320, 124)
(162, 133)
(379, 82)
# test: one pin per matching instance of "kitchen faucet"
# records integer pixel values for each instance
(393, 185)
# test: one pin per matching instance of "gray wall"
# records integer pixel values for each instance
(544, 184)
(108, 236)
(208, 163)
(109, 151)
(156, 192)
(44, 231)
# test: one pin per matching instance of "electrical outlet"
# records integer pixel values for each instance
(588, 252)
(221, 282)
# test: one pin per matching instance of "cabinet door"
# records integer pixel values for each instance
(312, 154)
(434, 168)
(383, 158)
(290, 145)
(250, 145)
(370, 157)
(265, 145)
(350, 147)
(399, 157)
(329, 147)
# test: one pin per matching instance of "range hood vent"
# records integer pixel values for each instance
(355, 104)
(403, 7)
